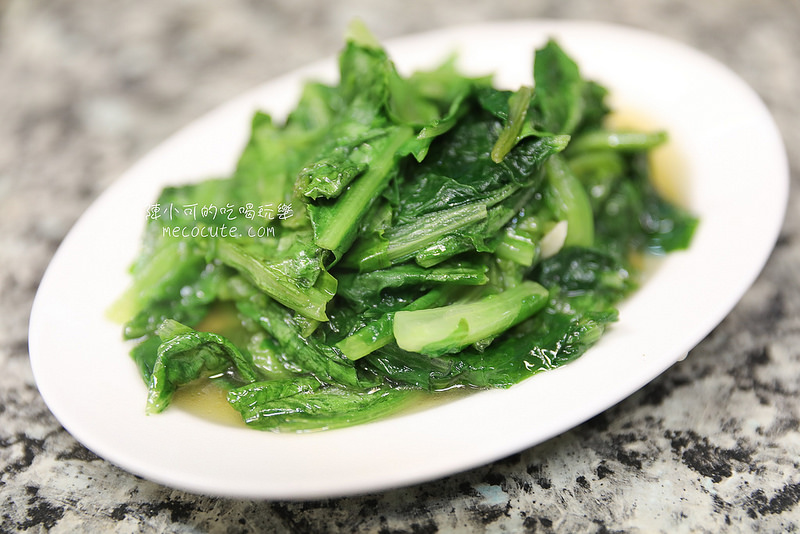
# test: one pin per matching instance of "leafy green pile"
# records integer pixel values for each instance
(397, 234)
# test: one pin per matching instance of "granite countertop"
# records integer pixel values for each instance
(87, 88)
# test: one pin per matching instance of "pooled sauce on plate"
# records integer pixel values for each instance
(667, 167)
(207, 400)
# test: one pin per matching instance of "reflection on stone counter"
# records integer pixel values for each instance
(712, 445)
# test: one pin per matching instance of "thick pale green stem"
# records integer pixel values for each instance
(446, 329)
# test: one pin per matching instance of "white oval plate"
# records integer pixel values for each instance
(737, 182)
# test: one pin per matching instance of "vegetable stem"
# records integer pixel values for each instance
(450, 328)
(336, 225)
(569, 201)
(379, 333)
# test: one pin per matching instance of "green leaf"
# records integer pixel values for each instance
(313, 409)
(292, 281)
(302, 354)
(559, 89)
(185, 355)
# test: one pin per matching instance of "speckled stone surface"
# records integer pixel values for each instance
(87, 88)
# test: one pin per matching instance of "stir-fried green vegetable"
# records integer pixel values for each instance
(396, 234)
